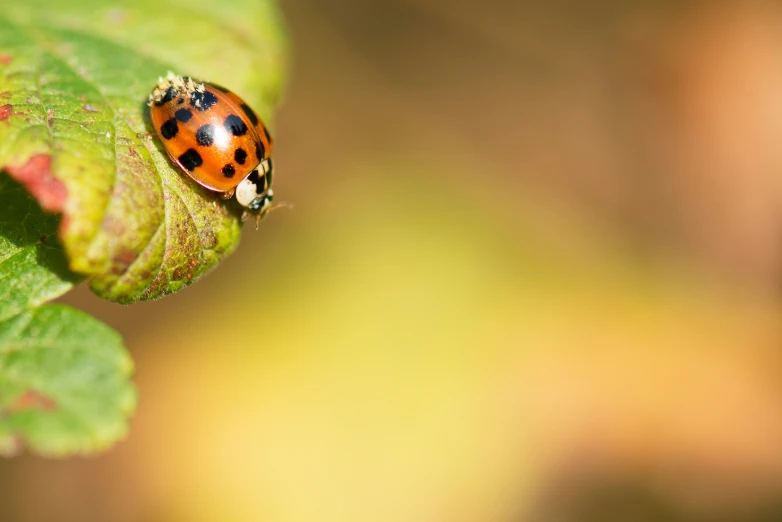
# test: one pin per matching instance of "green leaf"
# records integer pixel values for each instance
(64, 382)
(64, 376)
(33, 267)
(74, 79)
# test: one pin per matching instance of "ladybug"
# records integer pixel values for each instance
(217, 139)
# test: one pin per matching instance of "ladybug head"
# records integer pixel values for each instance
(261, 206)
(256, 194)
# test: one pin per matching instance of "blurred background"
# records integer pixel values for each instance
(532, 274)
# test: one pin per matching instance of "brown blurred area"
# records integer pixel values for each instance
(532, 274)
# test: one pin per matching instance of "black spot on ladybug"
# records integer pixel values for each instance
(235, 125)
(203, 101)
(229, 171)
(190, 159)
(268, 136)
(183, 115)
(250, 114)
(257, 180)
(260, 151)
(240, 156)
(170, 94)
(205, 135)
(180, 101)
(169, 129)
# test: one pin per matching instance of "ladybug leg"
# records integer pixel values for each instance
(229, 194)
(144, 135)
(245, 215)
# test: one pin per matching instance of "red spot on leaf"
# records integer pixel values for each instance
(32, 400)
(36, 175)
(5, 59)
(5, 111)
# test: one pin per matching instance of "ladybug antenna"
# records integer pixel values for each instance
(275, 206)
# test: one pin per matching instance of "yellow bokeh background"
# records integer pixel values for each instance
(531, 274)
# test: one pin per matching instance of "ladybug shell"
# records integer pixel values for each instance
(214, 136)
